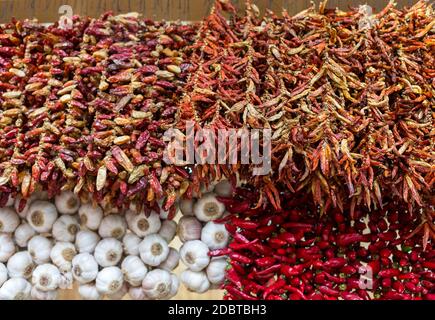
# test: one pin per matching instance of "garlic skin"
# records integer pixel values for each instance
(90, 216)
(153, 250)
(118, 295)
(3, 274)
(67, 202)
(195, 281)
(134, 270)
(168, 230)
(41, 216)
(65, 228)
(186, 207)
(216, 270)
(62, 254)
(208, 208)
(175, 285)
(223, 188)
(9, 220)
(84, 268)
(89, 291)
(194, 255)
(130, 243)
(157, 284)
(46, 277)
(23, 234)
(66, 280)
(15, 289)
(108, 252)
(109, 280)
(40, 248)
(112, 226)
(137, 293)
(172, 261)
(86, 241)
(20, 265)
(37, 294)
(189, 228)
(142, 225)
(215, 235)
(7, 247)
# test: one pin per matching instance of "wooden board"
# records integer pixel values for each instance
(188, 10)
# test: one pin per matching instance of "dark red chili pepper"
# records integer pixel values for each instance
(265, 262)
(240, 258)
(236, 293)
(335, 263)
(328, 291)
(279, 283)
(219, 252)
(389, 273)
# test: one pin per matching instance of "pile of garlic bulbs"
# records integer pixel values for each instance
(47, 245)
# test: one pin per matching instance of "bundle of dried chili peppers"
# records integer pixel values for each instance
(295, 255)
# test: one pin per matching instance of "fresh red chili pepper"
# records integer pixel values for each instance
(389, 273)
(279, 283)
(236, 293)
(219, 252)
(240, 258)
(328, 291)
(265, 262)
(335, 263)
(276, 243)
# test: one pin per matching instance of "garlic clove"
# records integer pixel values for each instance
(223, 188)
(142, 225)
(194, 255)
(37, 294)
(186, 207)
(84, 268)
(3, 274)
(195, 281)
(130, 243)
(108, 252)
(89, 291)
(172, 261)
(46, 277)
(23, 234)
(15, 289)
(20, 265)
(189, 228)
(86, 241)
(134, 270)
(62, 254)
(112, 226)
(109, 280)
(40, 248)
(208, 208)
(157, 284)
(9, 220)
(90, 216)
(215, 235)
(65, 228)
(7, 247)
(168, 230)
(67, 202)
(153, 250)
(216, 270)
(41, 216)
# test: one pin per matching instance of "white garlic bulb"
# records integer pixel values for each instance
(9, 220)
(65, 228)
(39, 248)
(67, 202)
(23, 234)
(142, 225)
(195, 281)
(208, 208)
(46, 277)
(118, 295)
(90, 216)
(215, 235)
(84, 268)
(223, 188)
(108, 252)
(168, 230)
(41, 216)
(86, 241)
(153, 250)
(37, 294)
(216, 270)
(10, 201)
(88, 291)
(137, 293)
(20, 265)
(112, 226)
(3, 274)
(171, 262)
(157, 284)
(175, 285)
(131, 244)
(134, 270)
(189, 228)
(66, 280)
(62, 254)
(194, 255)
(7, 247)
(186, 207)
(15, 289)
(109, 280)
